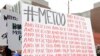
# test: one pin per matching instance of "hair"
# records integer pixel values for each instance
(8, 52)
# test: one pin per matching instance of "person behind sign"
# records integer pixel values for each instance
(5, 51)
(8, 51)
(1, 50)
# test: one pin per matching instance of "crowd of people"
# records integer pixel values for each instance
(5, 51)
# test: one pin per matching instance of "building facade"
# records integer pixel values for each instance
(97, 5)
(84, 14)
(16, 8)
(95, 18)
(94, 14)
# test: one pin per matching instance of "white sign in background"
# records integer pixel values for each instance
(3, 30)
(8, 19)
(14, 35)
(49, 33)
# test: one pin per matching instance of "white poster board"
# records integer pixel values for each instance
(13, 22)
(3, 31)
(49, 33)
(14, 35)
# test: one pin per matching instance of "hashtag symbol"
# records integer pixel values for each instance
(29, 12)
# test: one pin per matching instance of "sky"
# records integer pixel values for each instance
(76, 6)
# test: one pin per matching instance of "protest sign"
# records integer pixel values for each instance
(49, 33)
(11, 29)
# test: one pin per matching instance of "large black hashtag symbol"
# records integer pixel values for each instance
(29, 12)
